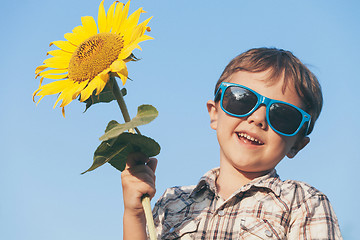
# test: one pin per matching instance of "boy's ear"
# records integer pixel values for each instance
(300, 144)
(213, 113)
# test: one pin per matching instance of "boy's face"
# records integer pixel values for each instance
(234, 134)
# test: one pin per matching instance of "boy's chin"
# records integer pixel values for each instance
(254, 171)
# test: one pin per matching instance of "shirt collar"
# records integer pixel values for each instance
(270, 181)
(207, 181)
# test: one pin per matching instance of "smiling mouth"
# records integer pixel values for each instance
(248, 139)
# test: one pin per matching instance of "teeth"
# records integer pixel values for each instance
(244, 135)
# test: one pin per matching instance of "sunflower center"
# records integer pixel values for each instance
(94, 55)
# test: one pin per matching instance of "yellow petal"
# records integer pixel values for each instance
(52, 71)
(137, 32)
(71, 93)
(56, 76)
(131, 25)
(144, 38)
(59, 52)
(64, 45)
(78, 30)
(101, 84)
(121, 22)
(34, 95)
(64, 97)
(38, 100)
(36, 91)
(86, 92)
(75, 38)
(141, 39)
(144, 23)
(41, 81)
(68, 94)
(123, 78)
(83, 32)
(117, 17)
(120, 68)
(104, 76)
(102, 17)
(81, 86)
(133, 19)
(53, 87)
(134, 44)
(110, 17)
(39, 69)
(125, 53)
(60, 97)
(117, 66)
(59, 58)
(89, 25)
(57, 62)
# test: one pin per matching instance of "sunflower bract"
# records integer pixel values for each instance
(83, 62)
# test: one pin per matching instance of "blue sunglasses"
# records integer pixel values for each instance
(284, 118)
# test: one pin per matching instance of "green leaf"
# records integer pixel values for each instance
(111, 125)
(117, 152)
(101, 159)
(145, 114)
(105, 96)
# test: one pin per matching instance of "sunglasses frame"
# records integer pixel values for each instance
(262, 100)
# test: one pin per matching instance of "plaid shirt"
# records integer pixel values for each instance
(265, 208)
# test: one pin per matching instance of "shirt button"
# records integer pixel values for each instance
(268, 233)
(221, 213)
(172, 230)
(242, 224)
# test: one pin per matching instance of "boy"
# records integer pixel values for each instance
(266, 104)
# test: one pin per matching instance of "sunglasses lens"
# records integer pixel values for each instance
(238, 101)
(284, 118)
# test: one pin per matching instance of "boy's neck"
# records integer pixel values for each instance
(231, 179)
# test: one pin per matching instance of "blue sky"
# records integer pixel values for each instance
(43, 195)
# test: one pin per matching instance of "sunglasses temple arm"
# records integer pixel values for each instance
(308, 127)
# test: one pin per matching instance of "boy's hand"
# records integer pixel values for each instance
(137, 179)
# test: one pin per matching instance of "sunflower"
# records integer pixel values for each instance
(83, 63)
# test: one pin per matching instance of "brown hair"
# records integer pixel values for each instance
(280, 62)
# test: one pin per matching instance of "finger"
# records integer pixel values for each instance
(152, 163)
(136, 158)
(147, 190)
(142, 172)
(139, 183)
(151, 192)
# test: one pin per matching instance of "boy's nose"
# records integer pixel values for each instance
(258, 117)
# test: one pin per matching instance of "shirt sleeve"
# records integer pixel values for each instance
(314, 218)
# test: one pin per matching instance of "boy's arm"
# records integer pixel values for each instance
(314, 219)
(137, 179)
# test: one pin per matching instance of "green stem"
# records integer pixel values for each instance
(145, 200)
(121, 102)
